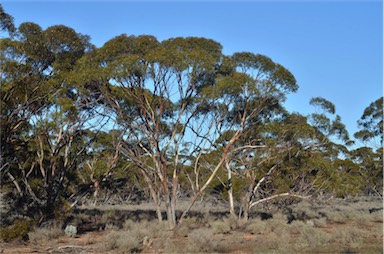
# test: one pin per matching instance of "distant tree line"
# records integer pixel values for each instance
(162, 120)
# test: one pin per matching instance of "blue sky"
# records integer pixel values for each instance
(333, 48)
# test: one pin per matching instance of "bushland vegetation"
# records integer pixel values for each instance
(142, 121)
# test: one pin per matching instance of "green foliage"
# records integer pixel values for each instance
(18, 230)
(371, 122)
(324, 104)
(6, 21)
(162, 115)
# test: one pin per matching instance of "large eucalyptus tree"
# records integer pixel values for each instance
(151, 89)
(42, 116)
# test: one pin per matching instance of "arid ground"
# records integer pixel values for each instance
(337, 226)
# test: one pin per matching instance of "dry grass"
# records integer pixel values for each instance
(187, 226)
(124, 241)
(348, 236)
(277, 223)
(220, 226)
(227, 225)
(305, 211)
(312, 238)
(136, 236)
(296, 227)
(202, 241)
(273, 242)
(152, 229)
(45, 234)
(336, 227)
(171, 247)
(256, 226)
(320, 223)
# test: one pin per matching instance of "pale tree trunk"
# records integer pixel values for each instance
(171, 212)
(156, 199)
(230, 189)
(170, 199)
(175, 183)
(96, 186)
(15, 183)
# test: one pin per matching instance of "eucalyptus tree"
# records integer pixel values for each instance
(370, 157)
(151, 89)
(248, 91)
(290, 155)
(42, 116)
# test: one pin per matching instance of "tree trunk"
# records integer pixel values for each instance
(246, 199)
(15, 183)
(170, 205)
(158, 212)
(96, 186)
(248, 195)
(171, 212)
(230, 190)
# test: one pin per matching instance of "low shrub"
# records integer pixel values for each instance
(129, 224)
(157, 229)
(376, 216)
(44, 234)
(276, 224)
(187, 226)
(124, 241)
(336, 217)
(171, 247)
(304, 213)
(18, 230)
(274, 242)
(256, 226)
(312, 237)
(320, 223)
(350, 236)
(201, 241)
(296, 227)
(220, 226)
(70, 231)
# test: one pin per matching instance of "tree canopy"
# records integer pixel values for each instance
(164, 121)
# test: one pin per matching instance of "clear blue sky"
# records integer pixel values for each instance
(334, 48)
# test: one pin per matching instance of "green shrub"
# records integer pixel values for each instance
(18, 230)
